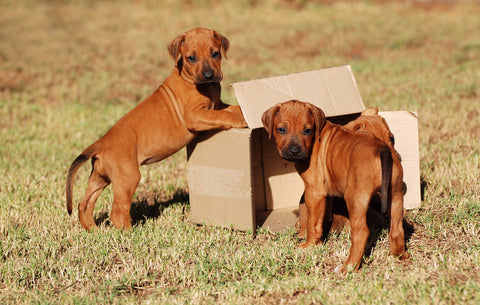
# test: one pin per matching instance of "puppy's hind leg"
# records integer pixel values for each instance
(124, 187)
(96, 184)
(357, 204)
(396, 235)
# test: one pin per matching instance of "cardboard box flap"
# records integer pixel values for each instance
(334, 90)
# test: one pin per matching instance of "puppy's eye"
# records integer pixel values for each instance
(192, 59)
(307, 131)
(215, 54)
(282, 130)
(392, 140)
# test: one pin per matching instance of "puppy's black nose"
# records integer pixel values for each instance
(294, 149)
(208, 74)
(293, 152)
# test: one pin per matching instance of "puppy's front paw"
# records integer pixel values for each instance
(305, 245)
(405, 256)
(343, 269)
(240, 123)
(301, 232)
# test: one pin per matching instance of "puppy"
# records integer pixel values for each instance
(336, 162)
(369, 121)
(186, 103)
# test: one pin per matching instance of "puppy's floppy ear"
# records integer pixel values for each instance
(370, 111)
(319, 117)
(174, 47)
(268, 118)
(358, 126)
(224, 41)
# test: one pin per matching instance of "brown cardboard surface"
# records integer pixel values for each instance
(220, 179)
(279, 220)
(283, 185)
(334, 90)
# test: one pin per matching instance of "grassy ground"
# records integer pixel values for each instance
(70, 69)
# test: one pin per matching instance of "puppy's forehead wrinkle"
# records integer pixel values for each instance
(197, 42)
(294, 125)
(281, 123)
(297, 119)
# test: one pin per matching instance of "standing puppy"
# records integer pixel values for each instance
(369, 121)
(336, 162)
(187, 102)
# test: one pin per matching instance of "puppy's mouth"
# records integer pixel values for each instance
(208, 76)
(200, 81)
(294, 153)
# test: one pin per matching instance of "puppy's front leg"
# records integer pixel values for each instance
(316, 206)
(202, 119)
(230, 108)
(235, 109)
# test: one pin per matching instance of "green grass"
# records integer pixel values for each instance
(70, 69)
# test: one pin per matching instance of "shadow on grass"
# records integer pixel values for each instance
(147, 206)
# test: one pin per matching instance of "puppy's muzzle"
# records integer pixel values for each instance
(293, 152)
(208, 74)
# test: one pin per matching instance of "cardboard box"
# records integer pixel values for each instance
(236, 177)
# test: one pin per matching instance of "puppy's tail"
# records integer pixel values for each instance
(85, 156)
(387, 163)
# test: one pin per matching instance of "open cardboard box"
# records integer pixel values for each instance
(236, 177)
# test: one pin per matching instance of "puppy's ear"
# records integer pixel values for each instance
(268, 118)
(319, 117)
(224, 41)
(358, 126)
(174, 47)
(370, 111)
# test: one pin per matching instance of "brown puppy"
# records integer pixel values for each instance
(335, 161)
(187, 102)
(369, 121)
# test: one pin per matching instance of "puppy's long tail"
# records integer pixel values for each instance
(85, 156)
(387, 163)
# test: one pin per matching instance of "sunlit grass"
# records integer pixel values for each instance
(69, 70)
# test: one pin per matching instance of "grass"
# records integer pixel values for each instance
(70, 69)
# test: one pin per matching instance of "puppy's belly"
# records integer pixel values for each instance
(164, 150)
(153, 159)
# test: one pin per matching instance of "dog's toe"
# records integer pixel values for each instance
(405, 256)
(304, 245)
